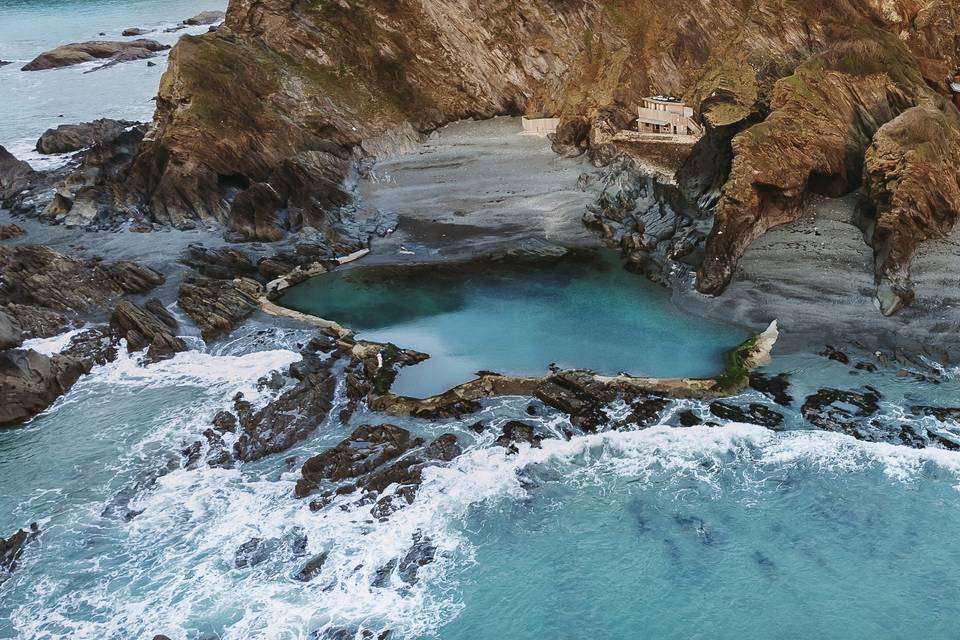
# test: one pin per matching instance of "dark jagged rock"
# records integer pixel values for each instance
(134, 31)
(95, 346)
(218, 306)
(157, 308)
(73, 137)
(420, 554)
(12, 548)
(15, 176)
(577, 394)
(456, 409)
(205, 17)
(840, 410)
(41, 276)
(224, 263)
(312, 567)
(943, 414)
(225, 422)
(80, 52)
(373, 459)
(688, 419)
(752, 414)
(835, 354)
(776, 387)
(141, 329)
(30, 382)
(291, 417)
(367, 448)
(10, 231)
(646, 411)
(514, 432)
(37, 322)
(444, 448)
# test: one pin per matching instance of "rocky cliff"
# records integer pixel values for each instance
(259, 123)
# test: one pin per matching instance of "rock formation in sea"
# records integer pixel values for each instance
(107, 51)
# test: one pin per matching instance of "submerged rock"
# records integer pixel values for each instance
(842, 411)
(753, 413)
(12, 548)
(80, 52)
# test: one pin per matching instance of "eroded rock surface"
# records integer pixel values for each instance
(73, 137)
(80, 52)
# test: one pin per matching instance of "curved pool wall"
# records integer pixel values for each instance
(517, 313)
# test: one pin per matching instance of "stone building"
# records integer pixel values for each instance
(666, 115)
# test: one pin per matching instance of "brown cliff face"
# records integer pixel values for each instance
(258, 124)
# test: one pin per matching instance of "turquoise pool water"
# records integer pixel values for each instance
(516, 315)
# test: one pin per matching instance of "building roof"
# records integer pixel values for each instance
(666, 99)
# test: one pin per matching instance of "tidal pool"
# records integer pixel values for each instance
(516, 313)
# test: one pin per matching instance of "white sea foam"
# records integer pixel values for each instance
(52, 345)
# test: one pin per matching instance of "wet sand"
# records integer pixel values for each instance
(815, 277)
(475, 187)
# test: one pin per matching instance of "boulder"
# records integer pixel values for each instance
(142, 329)
(218, 306)
(135, 31)
(205, 17)
(223, 263)
(80, 52)
(15, 176)
(73, 137)
(9, 231)
(30, 382)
